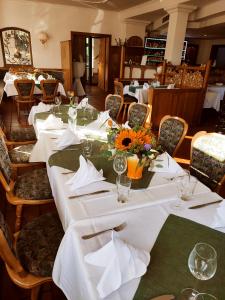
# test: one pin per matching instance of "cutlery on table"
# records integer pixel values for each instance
(205, 204)
(116, 228)
(164, 297)
(87, 194)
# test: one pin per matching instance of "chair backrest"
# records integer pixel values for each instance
(49, 89)
(208, 159)
(114, 104)
(6, 247)
(137, 114)
(5, 165)
(118, 88)
(25, 89)
(172, 131)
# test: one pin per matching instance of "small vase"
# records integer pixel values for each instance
(134, 170)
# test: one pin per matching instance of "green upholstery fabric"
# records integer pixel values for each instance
(207, 168)
(137, 115)
(5, 229)
(21, 154)
(50, 88)
(22, 134)
(25, 88)
(170, 134)
(112, 104)
(33, 185)
(5, 163)
(38, 242)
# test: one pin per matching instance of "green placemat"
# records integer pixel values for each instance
(133, 89)
(69, 159)
(84, 117)
(168, 271)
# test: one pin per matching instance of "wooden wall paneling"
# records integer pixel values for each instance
(101, 72)
(107, 45)
(66, 62)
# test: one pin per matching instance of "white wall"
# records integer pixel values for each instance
(58, 21)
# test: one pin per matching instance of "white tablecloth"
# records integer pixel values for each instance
(214, 95)
(140, 94)
(145, 213)
(10, 89)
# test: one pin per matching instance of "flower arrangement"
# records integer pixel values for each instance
(138, 140)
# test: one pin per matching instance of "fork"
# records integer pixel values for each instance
(116, 228)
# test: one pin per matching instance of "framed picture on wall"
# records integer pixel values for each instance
(16, 47)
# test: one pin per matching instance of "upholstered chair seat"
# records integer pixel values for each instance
(37, 244)
(137, 114)
(22, 134)
(21, 154)
(33, 185)
(172, 131)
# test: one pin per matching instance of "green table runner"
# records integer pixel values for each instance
(69, 159)
(133, 88)
(84, 117)
(168, 271)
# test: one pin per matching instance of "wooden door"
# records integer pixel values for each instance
(66, 62)
(103, 64)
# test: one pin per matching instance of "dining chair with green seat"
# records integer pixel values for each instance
(49, 88)
(207, 159)
(30, 188)
(25, 98)
(172, 131)
(114, 104)
(30, 255)
(127, 100)
(137, 114)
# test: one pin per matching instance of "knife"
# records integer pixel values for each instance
(87, 194)
(205, 204)
(164, 297)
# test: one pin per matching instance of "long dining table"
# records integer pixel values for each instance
(144, 214)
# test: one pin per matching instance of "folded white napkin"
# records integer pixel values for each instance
(52, 122)
(68, 138)
(83, 103)
(126, 126)
(121, 262)
(101, 122)
(171, 86)
(136, 83)
(165, 163)
(85, 175)
(40, 77)
(145, 86)
(41, 107)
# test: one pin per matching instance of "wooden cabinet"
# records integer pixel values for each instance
(66, 61)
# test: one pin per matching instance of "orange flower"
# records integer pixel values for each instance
(125, 139)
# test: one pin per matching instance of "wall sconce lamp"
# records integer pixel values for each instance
(43, 37)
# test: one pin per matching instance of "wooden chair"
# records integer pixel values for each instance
(30, 188)
(172, 131)
(25, 270)
(137, 114)
(114, 104)
(118, 90)
(49, 90)
(205, 165)
(25, 98)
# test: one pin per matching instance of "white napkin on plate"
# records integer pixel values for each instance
(85, 175)
(41, 77)
(145, 86)
(83, 103)
(68, 138)
(126, 125)
(41, 107)
(165, 163)
(121, 262)
(52, 122)
(136, 83)
(101, 122)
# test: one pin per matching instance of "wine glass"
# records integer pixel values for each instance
(58, 101)
(205, 296)
(202, 263)
(192, 294)
(120, 164)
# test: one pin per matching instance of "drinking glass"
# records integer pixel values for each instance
(58, 101)
(120, 164)
(86, 147)
(191, 294)
(202, 261)
(73, 118)
(123, 184)
(205, 296)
